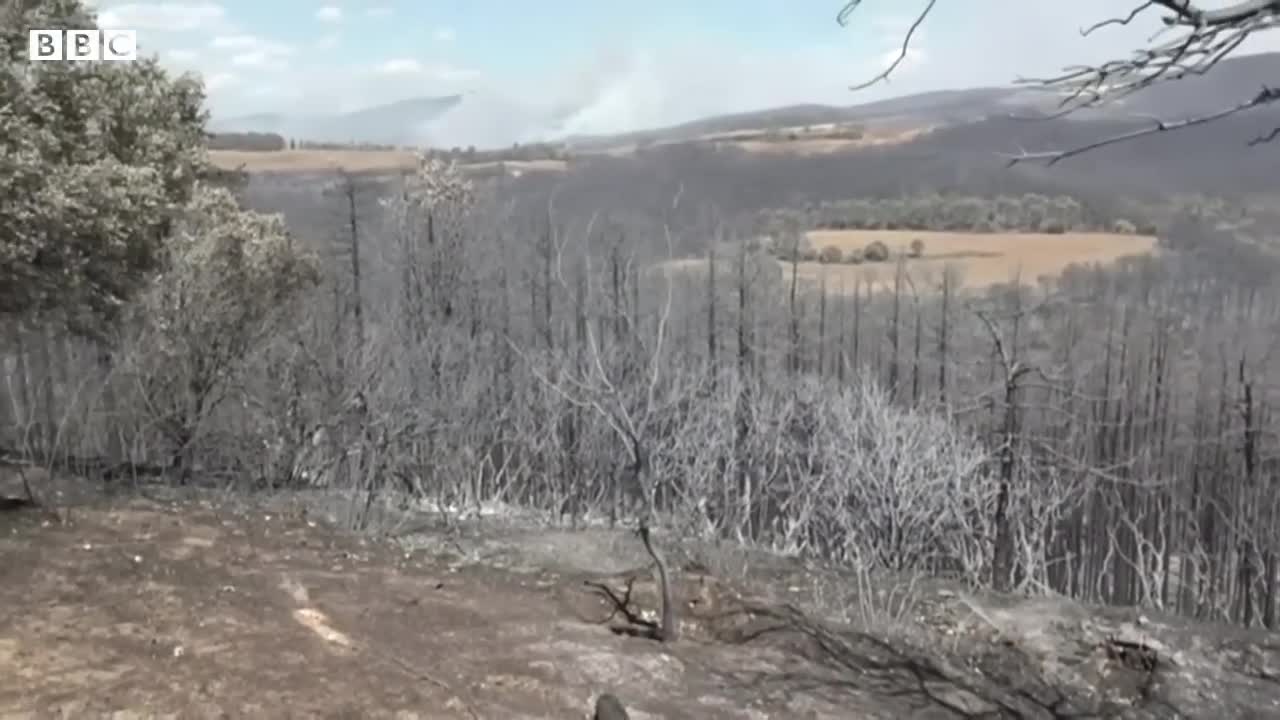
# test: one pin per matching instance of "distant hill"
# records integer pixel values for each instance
(399, 123)
(943, 106)
(970, 129)
(1231, 82)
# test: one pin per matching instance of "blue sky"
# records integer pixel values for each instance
(601, 66)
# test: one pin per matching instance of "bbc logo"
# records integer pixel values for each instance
(83, 45)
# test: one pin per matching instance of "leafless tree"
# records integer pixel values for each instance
(1202, 39)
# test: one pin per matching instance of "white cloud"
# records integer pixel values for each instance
(328, 42)
(329, 13)
(445, 34)
(433, 70)
(628, 82)
(180, 56)
(175, 16)
(219, 81)
(910, 61)
(253, 51)
(234, 42)
(449, 73)
(400, 66)
(250, 59)
(273, 92)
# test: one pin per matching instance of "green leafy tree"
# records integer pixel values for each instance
(96, 159)
(229, 279)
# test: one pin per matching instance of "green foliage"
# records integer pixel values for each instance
(227, 270)
(248, 141)
(95, 161)
(954, 213)
(229, 282)
(876, 251)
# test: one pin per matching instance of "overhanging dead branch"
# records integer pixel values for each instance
(1207, 38)
(1265, 97)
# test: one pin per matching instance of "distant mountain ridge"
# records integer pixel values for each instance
(398, 123)
(424, 120)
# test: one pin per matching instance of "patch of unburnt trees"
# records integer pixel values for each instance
(1028, 212)
(875, 251)
(247, 141)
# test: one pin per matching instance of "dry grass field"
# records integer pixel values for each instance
(808, 140)
(351, 160)
(799, 140)
(826, 139)
(981, 259)
(314, 160)
(517, 167)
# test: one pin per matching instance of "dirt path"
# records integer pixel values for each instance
(196, 612)
(145, 609)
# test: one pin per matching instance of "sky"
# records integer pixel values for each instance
(597, 66)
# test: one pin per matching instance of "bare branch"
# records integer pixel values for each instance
(843, 19)
(1085, 32)
(1264, 97)
(1206, 38)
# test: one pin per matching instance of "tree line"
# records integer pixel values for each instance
(956, 212)
(1108, 434)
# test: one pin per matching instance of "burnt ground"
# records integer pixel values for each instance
(191, 607)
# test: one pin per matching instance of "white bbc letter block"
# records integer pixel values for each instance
(45, 45)
(119, 44)
(83, 45)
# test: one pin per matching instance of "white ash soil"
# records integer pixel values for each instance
(187, 606)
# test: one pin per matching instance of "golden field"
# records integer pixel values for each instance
(519, 166)
(350, 160)
(314, 160)
(820, 140)
(982, 259)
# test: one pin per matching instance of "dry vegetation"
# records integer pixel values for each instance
(962, 483)
(818, 140)
(983, 259)
(519, 166)
(183, 605)
(315, 160)
(798, 140)
(357, 161)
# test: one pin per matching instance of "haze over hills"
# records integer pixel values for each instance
(398, 123)
(971, 128)
(1230, 83)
